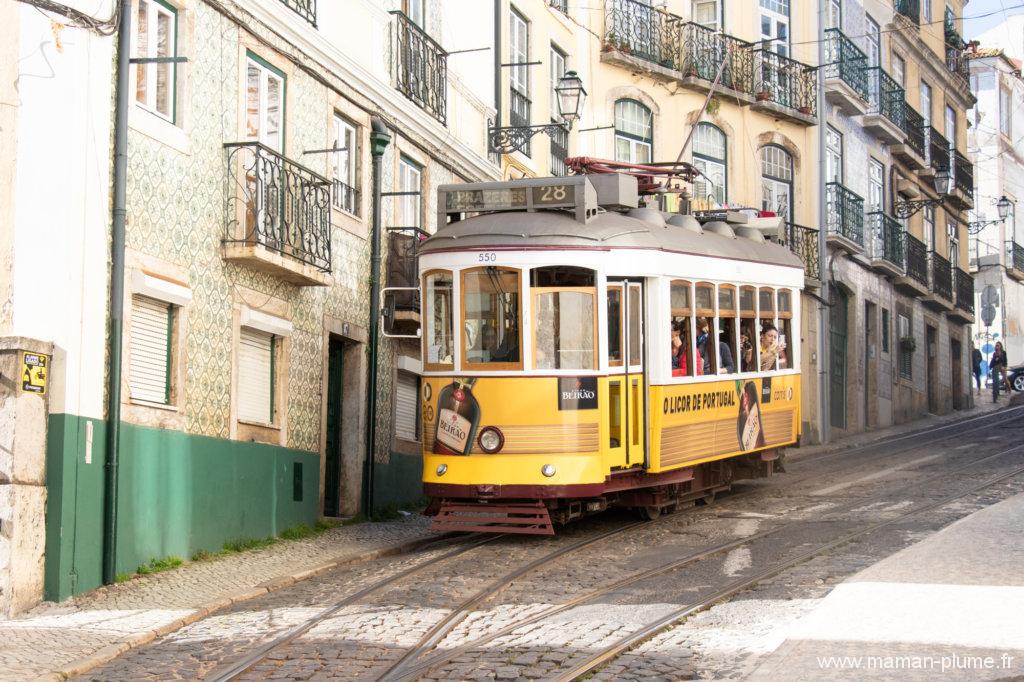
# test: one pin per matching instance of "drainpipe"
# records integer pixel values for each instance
(113, 441)
(497, 72)
(823, 364)
(379, 140)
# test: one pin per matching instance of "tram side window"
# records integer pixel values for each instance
(771, 348)
(706, 345)
(615, 325)
(490, 300)
(748, 333)
(727, 329)
(682, 339)
(564, 318)
(785, 312)
(439, 336)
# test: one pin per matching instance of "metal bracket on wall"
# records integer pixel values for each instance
(510, 139)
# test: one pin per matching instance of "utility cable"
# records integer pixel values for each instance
(79, 19)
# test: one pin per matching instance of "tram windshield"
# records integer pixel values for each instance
(491, 305)
(564, 318)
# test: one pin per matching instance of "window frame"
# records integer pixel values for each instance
(170, 361)
(1005, 112)
(267, 70)
(418, 419)
(707, 158)
(519, 76)
(689, 315)
(770, 314)
(438, 366)
(635, 141)
(159, 7)
(274, 421)
(787, 182)
(464, 364)
(619, 286)
(346, 125)
(534, 308)
(405, 202)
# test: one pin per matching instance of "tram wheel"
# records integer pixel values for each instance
(649, 513)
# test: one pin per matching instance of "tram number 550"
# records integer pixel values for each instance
(487, 257)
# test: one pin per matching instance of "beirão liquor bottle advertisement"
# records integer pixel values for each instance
(458, 416)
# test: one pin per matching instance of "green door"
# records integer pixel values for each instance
(837, 359)
(332, 463)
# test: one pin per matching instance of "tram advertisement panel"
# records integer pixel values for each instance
(710, 420)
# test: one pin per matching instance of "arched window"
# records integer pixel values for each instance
(777, 181)
(634, 132)
(709, 156)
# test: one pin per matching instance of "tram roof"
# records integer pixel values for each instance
(610, 230)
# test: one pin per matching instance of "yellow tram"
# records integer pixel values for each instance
(580, 352)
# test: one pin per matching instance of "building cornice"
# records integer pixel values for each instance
(927, 60)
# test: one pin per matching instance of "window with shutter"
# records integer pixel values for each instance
(256, 376)
(149, 352)
(407, 392)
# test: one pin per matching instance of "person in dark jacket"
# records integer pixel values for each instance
(725, 361)
(976, 367)
(998, 364)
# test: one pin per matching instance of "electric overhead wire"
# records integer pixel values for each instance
(79, 19)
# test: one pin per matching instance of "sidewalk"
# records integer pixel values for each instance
(950, 607)
(53, 641)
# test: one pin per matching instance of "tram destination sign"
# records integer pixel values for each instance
(576, 193)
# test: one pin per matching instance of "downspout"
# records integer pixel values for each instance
(823, 364)
(497, 67)
(379, 140)
(113, 441)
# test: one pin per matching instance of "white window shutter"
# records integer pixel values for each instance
(255, 376)
(148, 359)
(406, 398)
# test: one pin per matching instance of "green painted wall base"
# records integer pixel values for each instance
(399, 482)
(178, 494)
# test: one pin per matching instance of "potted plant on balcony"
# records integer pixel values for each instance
(908, 344)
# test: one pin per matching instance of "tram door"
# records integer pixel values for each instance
(627, 390)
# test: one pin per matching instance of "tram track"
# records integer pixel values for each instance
(415, 671)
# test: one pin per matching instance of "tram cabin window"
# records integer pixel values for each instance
(564, 318)
(785, 325)
(727, 313)
(439, 336)
(490, 313)
(615, 325)
(772, 346)
(748, 331)
(705, 331)
(681, 322)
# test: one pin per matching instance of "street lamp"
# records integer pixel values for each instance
(569, 95)
(1002, 208)
(905, 209)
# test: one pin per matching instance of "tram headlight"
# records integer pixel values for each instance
(491, 439)
(548, 470)
(441, 469)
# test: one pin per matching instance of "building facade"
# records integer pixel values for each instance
(997, 246)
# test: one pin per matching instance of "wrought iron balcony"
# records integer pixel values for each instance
(938, 150)
(559, 148)
(637, 29)
(846, 62)
(519, 109)
(964, 291)
(885, 96)
(561, 5)
(913, 150)
(278, 215)
(963, 175)
(1015, 260)
(803, 241)
(785, 86)
(917, 260)
(941, 276)
(421, 68)
(887, 244)
(845, 216)
(703, 51)
(958, 64)
(911, 9)
(344, 198)
(304, 8)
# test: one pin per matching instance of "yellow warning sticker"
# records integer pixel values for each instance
(35, 368)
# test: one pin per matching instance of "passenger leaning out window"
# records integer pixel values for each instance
(772, 347)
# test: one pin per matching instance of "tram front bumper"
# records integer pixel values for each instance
(513, 476)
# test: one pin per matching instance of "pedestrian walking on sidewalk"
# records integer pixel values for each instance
(998, 364)
(976, 367)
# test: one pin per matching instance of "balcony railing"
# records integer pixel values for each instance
(278, 204)
(304, 8)
(519, 106)
(786, 82)
(637, 29)
(964, 291)
(886, 238)
(421, 68)
(803, 241)
(917, 260)
(958, 64)
(845, 213)
(941, 276)
(845, 61)
(911, 9)
(345, 198)
(703, 51)
(559, 152)
(1014, 256)
(914, 127)
(561, 5)
(963, 174)
(938, 150)
(885, 96)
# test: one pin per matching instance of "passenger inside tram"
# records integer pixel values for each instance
(680, 349)
(747, 361)
(702, 345)
(726, 365)
(772, 348)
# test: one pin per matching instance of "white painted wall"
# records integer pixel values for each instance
(62, 192)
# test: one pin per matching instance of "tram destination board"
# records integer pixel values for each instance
(510, 198)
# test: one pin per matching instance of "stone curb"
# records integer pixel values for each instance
(111, 651)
